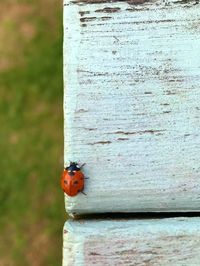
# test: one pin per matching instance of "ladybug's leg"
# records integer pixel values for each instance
(82, 165)
(83, 193)
(86, 177)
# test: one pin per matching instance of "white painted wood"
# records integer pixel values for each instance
(159, 242)
(132, 114)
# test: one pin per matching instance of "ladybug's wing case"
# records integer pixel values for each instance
(72, 184)
(65, 182)
(70, 188)
(77, 182)
(79, 175)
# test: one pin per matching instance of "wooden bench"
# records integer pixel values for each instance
(131, 106)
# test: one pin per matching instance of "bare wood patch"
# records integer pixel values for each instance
(132, 2)
(108, 10)
(100, 142)
(139, 132)
(86, 19)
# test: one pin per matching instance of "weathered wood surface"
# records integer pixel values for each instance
(132, 114)
(159, 242)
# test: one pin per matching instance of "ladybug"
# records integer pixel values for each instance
(72, 180)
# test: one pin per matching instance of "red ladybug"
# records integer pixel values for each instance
(72, 180)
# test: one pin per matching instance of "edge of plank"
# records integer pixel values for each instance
(172, 241)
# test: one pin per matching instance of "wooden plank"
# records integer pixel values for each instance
(132, 90)
(163, 242)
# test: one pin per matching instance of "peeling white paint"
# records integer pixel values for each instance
(132, 89)
(165, 242)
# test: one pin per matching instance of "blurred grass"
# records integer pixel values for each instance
(31, 139)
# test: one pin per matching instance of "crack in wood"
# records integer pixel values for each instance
(100, 142)
(108, 10)
(82, 13)
(138, 132)
(131, 2)
(86, 19)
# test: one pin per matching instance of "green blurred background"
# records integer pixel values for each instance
(31, 136)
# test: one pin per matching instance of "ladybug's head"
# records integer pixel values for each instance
(73, 167)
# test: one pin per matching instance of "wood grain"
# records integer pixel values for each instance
(163, 242)
(131, 104)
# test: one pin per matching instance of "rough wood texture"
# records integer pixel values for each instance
(163, 242)
(132, 114)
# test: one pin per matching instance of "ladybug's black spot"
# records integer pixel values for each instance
(76, 182)
(79, 190)
(71, 173)
(65, 181)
